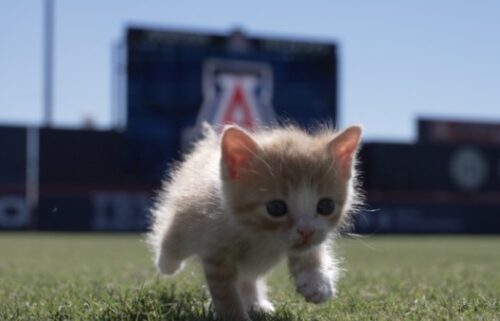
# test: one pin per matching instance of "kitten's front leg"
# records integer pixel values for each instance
(314, 273)
(221, 278)
(254, 295)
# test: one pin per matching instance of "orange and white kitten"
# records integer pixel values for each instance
(244, 201)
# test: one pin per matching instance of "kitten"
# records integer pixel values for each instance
(243, 201)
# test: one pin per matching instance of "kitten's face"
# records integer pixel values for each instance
(292, 186)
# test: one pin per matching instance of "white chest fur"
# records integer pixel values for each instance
(258, 257)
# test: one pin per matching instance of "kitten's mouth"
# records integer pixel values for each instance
(301, 246)
(304, 244)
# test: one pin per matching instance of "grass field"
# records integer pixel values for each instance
(110, 277)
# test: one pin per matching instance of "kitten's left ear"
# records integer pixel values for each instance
(343, 149)
(238, 149)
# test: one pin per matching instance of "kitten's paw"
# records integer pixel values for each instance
(262, 306)
(315, 286)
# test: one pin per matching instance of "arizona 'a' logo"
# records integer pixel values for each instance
(236, 92)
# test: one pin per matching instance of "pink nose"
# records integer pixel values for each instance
(305, 233)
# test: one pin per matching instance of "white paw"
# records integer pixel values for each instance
(315, 286)
(262, 306)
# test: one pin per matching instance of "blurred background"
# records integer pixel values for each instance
(98, 98)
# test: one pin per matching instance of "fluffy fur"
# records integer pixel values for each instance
(214, 205)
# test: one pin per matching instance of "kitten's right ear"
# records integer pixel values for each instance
(238, 149)
(343, 149)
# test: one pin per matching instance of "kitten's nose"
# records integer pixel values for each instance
(305, 233)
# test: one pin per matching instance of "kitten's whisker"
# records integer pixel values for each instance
(331, 169)
(269, 167)
(360, 238)
(254, 172)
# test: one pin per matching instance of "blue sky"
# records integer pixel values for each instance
(399, 59)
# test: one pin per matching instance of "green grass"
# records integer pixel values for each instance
(111, 277)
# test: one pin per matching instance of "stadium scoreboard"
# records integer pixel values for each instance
(177, 80)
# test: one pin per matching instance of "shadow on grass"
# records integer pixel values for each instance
(160, 303)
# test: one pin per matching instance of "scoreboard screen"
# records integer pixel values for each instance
(177, 80)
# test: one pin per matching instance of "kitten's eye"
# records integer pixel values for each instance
(276, 208)
(326, 206)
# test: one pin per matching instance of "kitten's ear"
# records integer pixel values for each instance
(238, 149)
(343, 149)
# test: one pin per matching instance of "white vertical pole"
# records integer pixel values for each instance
(32, 172)
(120, 86)
(48, 66)
(116, 90)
